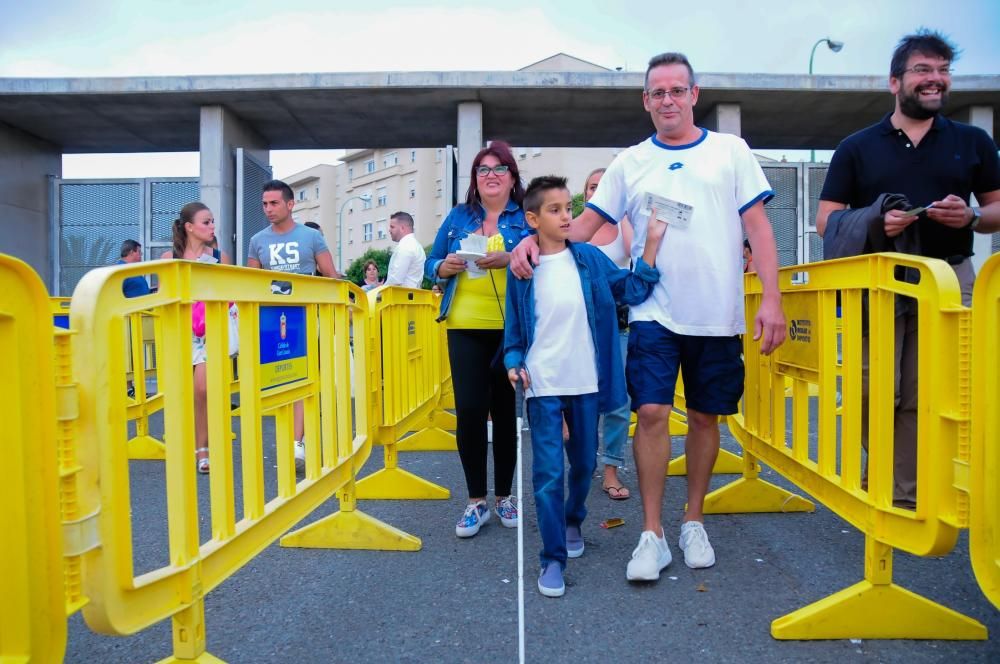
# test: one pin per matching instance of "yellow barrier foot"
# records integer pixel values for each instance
(146, 448)
(869, 611)
(445, 420)
(203, 658)
(677, 427)
(754, 495)
(351, 530)
(398, 484)
(727, 463)
(431, 439)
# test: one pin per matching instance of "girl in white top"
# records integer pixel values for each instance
(194, 237)
(614, 241)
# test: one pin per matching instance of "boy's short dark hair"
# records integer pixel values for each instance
(128, 246)
(923, 41)
(535, 194)
(278, 185)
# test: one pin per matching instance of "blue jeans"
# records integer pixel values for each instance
(548, 467)
(614, 428)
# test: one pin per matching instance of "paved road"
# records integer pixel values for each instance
(456, 600)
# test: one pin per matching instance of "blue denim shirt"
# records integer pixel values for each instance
(603, 284)
(462, 221)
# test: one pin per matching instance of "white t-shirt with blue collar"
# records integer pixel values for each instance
(700, 291)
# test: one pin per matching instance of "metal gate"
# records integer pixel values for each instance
(792, 211)
(91, 219)
(250, 178)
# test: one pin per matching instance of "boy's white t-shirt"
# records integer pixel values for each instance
(561, 360)
(700, 291)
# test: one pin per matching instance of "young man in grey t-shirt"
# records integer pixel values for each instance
(289, 247)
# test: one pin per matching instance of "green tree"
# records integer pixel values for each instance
(356, 272)
(577, 205)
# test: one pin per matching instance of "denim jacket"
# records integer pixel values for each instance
(462, 221)
(603, 284)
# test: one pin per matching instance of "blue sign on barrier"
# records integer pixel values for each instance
(61, 321)
(282, 345)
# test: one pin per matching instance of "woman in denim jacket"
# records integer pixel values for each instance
(473, 310)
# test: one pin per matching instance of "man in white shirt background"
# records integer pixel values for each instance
(406, 267)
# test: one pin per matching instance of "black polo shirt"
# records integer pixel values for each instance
(953, 158)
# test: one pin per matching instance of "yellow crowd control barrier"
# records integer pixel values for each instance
(407, 393)
(984, 530)
(33, 610)
(726, 463)
(827, 462)
(293, 348)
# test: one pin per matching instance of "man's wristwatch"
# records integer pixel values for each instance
(974, 221)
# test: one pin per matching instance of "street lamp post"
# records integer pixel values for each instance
(340, 229)
(834, 46)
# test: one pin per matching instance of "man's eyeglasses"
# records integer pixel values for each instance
(499, 169)
(675, 93)
(924, 70)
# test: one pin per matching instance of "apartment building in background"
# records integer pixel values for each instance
(369, 185)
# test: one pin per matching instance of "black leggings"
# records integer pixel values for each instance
(482, 389)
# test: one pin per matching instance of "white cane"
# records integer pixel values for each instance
(519, 411)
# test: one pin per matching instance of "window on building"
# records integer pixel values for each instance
(366, 203)
(413, 156)
(535, 152)
(302, 194)
(522, 153)
(367, 230)
(350, 235)
(390, 159)
(317, 192)
(438, 155)
(380, 229)
(438, 184)
(412, 186)
(382, 197)
(350, 172)
(370, 166)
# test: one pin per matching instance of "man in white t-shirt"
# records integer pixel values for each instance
(406, 267)
(710, 189)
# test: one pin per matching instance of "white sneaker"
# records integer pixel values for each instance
(698, 551)
(650, 556)
(300, 456)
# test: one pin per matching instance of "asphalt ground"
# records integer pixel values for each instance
(456, 600)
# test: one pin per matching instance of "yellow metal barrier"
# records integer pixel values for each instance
(33, 609)
(984, 529)
(726, 463)
(143, 328)
(408, 392)
(781, 436)
(280, 364)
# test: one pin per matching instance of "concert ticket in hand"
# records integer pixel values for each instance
(674, 213)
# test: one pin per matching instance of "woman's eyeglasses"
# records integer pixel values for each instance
(499, 169)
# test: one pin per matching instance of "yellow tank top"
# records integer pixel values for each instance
(479, 303)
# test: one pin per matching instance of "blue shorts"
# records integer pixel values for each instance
(712, 368)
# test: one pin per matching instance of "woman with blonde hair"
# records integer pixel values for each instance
(193, 239)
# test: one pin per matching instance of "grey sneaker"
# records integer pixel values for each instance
(698, 551)
(649, 557)
(550, 581)
(574, 542)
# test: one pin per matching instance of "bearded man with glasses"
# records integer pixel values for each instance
(935, 164)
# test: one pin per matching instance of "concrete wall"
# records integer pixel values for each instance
(25, 164)
(222, 132)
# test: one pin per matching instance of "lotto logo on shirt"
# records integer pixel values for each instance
(284, 256)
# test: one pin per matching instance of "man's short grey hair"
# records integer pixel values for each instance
(669, 59)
